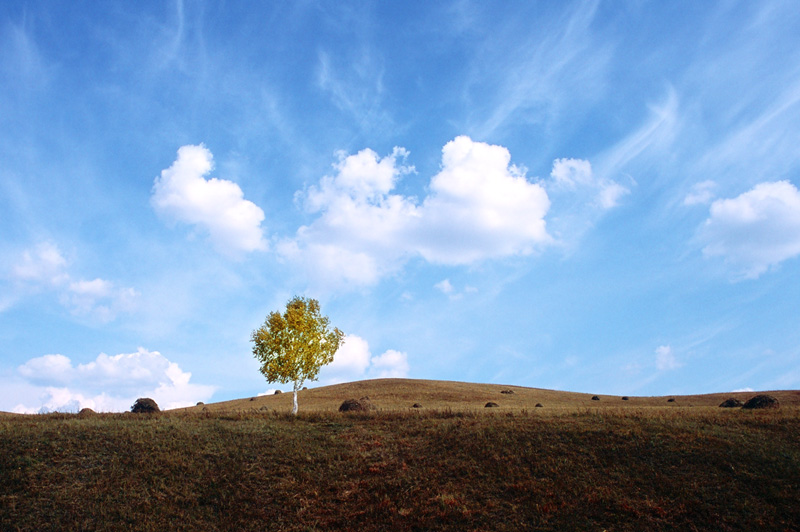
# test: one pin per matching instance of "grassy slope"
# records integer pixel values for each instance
(584, 465)
(401, 394)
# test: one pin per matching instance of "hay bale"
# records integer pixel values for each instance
(357, 405)
(761, 401)
(731, 402)
(145, 405)
(491, 405)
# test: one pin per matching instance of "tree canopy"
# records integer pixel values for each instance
(293, 346)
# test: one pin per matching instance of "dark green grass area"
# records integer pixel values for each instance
(585, 470)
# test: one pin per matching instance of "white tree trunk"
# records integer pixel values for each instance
(294, 404)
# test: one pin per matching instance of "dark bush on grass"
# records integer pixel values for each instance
(761, 401)
(357, 405)
(731, 403)
(595, 398)
(145, 405)
(491, 405)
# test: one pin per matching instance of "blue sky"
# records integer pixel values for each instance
(588, 196)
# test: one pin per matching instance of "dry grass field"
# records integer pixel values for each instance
(399, 395)
(573, 464)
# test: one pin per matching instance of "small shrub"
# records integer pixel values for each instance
(671, 400)
(278, 392)
(491, 405)
(595, 398)
(86, 412)
(539, 405)
(731, 403)
(416, 405)
(761, 401)
(507, 392)
(357, 405)
(625, 398)
(145, 405)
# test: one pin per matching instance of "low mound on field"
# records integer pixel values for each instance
(402, 394)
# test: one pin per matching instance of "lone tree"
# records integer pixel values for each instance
(293, 346)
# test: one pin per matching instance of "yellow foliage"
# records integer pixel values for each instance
(293, 346)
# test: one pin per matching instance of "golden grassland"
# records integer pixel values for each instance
(574, 464)
(402, 394)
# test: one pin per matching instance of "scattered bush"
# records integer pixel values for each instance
(357, 405)
(625, 398)
(86, 412)
(761, 401)
(491, 405)
(595, 398)
(416, 405)
(200, 403)
(507, 392)
(671, 400)
(731, 403)
(278, 392)
(145, 405)
(539, 405)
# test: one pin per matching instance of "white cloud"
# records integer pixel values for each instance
(479, 207)
(576, 175)
(444, 287)
(391, 364)
(45, 268)
(665, 359)
(107, 383)
(353, 361)
(44, 264)
(746, 389)
(701, 193)
(181, 193)
(756, 230)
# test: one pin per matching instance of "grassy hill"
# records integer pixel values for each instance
(575, 464)
(402, 394)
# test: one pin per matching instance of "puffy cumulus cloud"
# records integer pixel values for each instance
(42, 264)
(576, 175)
(756, 230)
(353, 361)
(391, 364)
(45, 268)
(665, 358)
(479, 207)
(107, 383)
(182, 194)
